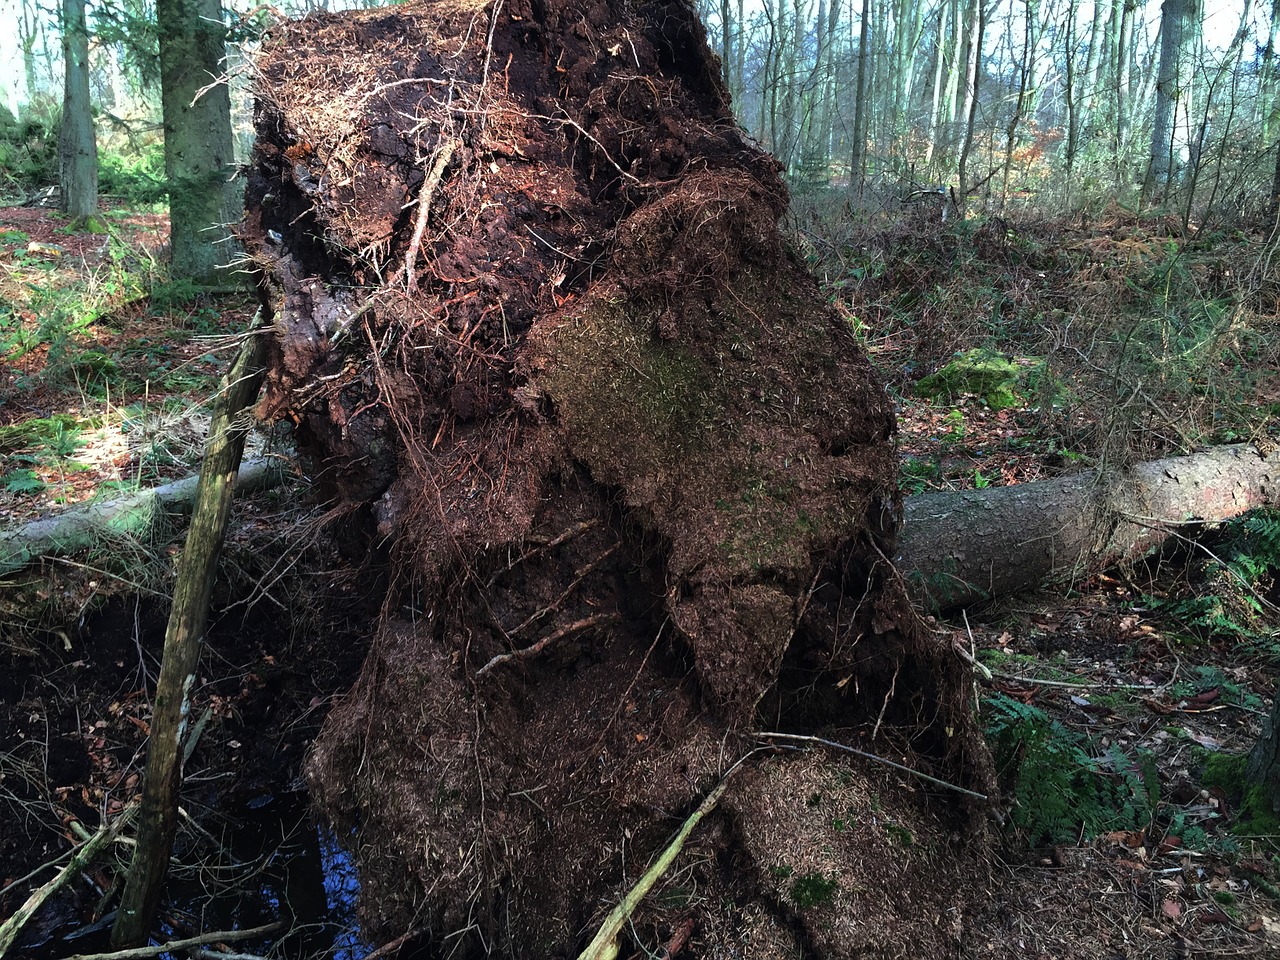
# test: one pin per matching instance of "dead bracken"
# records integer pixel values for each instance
(634, 486)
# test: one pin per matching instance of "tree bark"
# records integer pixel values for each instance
(77, 146)
(198, 145)
(963, 548)
(157, 815)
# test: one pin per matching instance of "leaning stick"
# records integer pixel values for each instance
(197, 568)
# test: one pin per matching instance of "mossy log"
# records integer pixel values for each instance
(136, 517)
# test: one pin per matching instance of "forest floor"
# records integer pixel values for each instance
(1118, 712)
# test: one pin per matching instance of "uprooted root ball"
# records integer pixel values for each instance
(634, 481)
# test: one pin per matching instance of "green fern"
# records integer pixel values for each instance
(1231, 582)
(1060, 789)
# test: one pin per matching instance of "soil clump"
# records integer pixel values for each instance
(634, 482)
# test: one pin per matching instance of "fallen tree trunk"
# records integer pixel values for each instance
(136, 517)
(964, 547)
(955, 548)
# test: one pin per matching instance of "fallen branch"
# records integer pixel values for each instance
(219, 936)
(10, 929)
(135, 516)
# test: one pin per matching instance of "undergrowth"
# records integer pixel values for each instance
(1136, 339)
(1231, 590)
(130, 165)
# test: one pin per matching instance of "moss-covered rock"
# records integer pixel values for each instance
(981, 373)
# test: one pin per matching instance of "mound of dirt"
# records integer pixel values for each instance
(635, 483)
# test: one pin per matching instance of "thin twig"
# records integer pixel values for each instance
(801, 738)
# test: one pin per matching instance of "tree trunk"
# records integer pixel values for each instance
(77, 145)
(962, 548)
(1026, 83)
(1265, 110)
(1176, 17)
(941, 47)
(1071, 93)
(726, 43)
(861, 106)
(29, 30)
(199, 151)
(1097, 40)
(1124, 79)
(973, 74)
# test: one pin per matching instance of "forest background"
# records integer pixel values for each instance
(1051, 222)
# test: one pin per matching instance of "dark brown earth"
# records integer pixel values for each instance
(636, 484)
